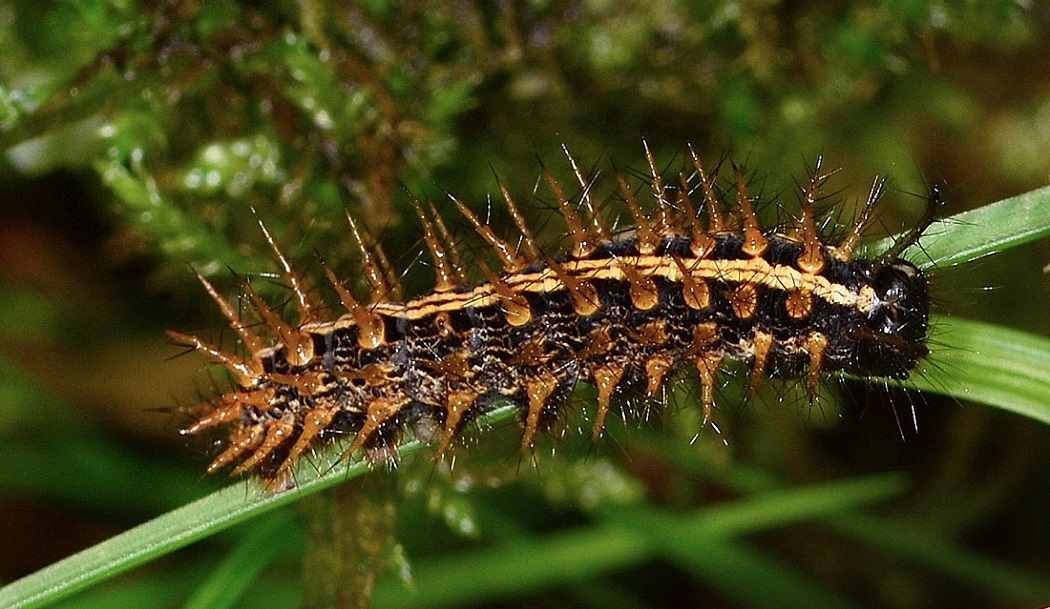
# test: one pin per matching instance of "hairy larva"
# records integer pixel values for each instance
(696, 281)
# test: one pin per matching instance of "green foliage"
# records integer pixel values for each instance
(143, 141)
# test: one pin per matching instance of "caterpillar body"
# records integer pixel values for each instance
(696, 282)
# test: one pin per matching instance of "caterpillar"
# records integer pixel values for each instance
(696, 282)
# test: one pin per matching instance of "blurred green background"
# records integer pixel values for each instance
(139, 137)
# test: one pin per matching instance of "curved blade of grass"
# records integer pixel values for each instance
(906, 541)
(764, 511)
(157, 588)
(231, 578)
(753, 578)
(980, 232)
(185, 525)
(898, 536)
(994, 365)
(627, 538)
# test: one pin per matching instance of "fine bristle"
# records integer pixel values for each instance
(298, 286)
(376, 269)
(447, 278)
(581, 239)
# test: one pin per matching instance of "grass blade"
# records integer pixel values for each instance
(989, 364)
(228, 582)
(626, 538)
(984, 231)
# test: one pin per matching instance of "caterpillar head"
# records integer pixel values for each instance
(893, 337)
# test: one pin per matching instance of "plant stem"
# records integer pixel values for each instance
(349, 539)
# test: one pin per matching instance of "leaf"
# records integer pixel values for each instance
(984, 231)
(989, 364)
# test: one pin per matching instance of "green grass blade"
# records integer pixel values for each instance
(176, 529)
(516, 568)
(150, 540)
(752, 578)
(981, 232)
(157, 588)
(227, 583)
(907, 541)
(628, 537)
(181, 527)
(900, 538)
(989, 364)
(776, 508)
